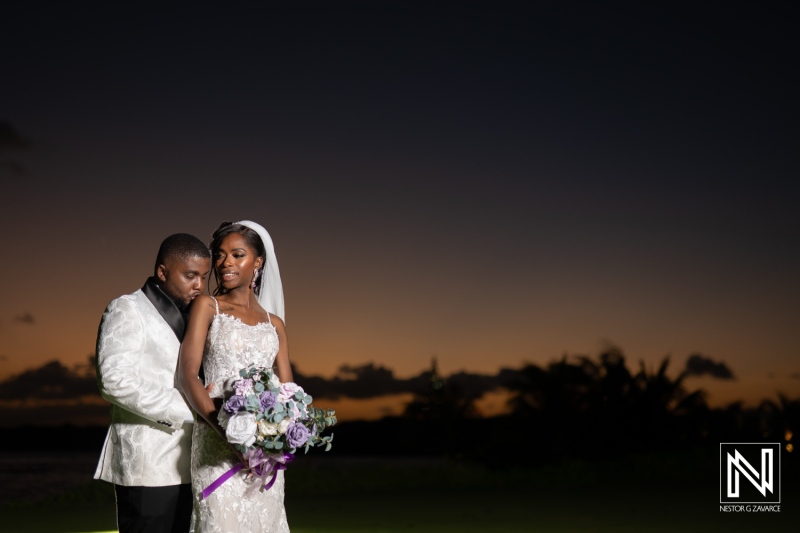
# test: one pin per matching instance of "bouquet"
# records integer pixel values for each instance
(268, 421)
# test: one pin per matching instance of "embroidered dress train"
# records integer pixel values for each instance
(237, 506)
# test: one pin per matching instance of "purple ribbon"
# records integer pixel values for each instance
(220, 480)
(261, 464)
(278, 465)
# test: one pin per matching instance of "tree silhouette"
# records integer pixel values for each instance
(588, 407)
(441, 401)
(780, 421)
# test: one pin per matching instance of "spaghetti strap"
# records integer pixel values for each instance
(216, 303)
(269, 319)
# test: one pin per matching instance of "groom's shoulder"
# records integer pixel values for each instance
(125, 302)
(134, 297)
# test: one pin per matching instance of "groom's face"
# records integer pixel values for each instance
(184, 279)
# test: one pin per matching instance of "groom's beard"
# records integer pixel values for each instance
(180, 303)
(182, 306)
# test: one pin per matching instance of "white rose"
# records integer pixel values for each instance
(223, 417)
(242, 428)
(274, 381)
(267, 428)
(283, 425)
(288, 390)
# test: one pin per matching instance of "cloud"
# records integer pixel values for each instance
(364, 381)
(14, 168)
(54, 382)
(700, 365)
(82, 414)
(51, 381)
(371, 381)
(10, 138)
(26, 318)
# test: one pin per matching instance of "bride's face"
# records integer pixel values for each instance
(235, 262)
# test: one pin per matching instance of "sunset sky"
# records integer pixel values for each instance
(489, 183)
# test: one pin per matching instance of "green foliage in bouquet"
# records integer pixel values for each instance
(321, 419)
(264, 413)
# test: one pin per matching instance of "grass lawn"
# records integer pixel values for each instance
(558, 511)
(444, 498)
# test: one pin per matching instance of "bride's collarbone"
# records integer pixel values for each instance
(249, 316)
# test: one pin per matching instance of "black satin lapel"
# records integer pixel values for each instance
(165, 307)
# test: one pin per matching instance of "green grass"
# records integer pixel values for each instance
(559, 511)
(644, 495)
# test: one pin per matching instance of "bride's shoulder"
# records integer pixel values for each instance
(204, 303)
(276, 321)
(203, 299)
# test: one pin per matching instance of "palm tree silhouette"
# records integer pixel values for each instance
(594, 407)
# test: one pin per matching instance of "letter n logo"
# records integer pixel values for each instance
(750, 472)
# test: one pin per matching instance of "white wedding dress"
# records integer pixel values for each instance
(237, 506)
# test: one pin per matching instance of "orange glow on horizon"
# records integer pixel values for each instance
(350, 409)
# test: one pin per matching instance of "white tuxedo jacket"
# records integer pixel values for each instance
(149, 440)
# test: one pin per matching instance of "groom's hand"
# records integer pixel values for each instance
(217, 403)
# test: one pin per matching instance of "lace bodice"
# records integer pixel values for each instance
(237, 506)
(232, 345)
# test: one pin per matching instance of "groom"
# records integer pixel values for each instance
(147, 451)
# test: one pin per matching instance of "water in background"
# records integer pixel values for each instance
(33, 475)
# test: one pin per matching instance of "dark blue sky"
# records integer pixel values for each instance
(488, 182)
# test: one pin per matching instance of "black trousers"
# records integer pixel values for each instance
(154, 509)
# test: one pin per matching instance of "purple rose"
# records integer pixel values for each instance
(297, 435)
(288, 391)
(243, 387)
(267, 400)
(234, 404)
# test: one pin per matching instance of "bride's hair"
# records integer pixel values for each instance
(251, 238)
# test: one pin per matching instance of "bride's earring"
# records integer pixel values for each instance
(255, 278)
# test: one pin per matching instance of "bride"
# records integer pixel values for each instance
(242, 326)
